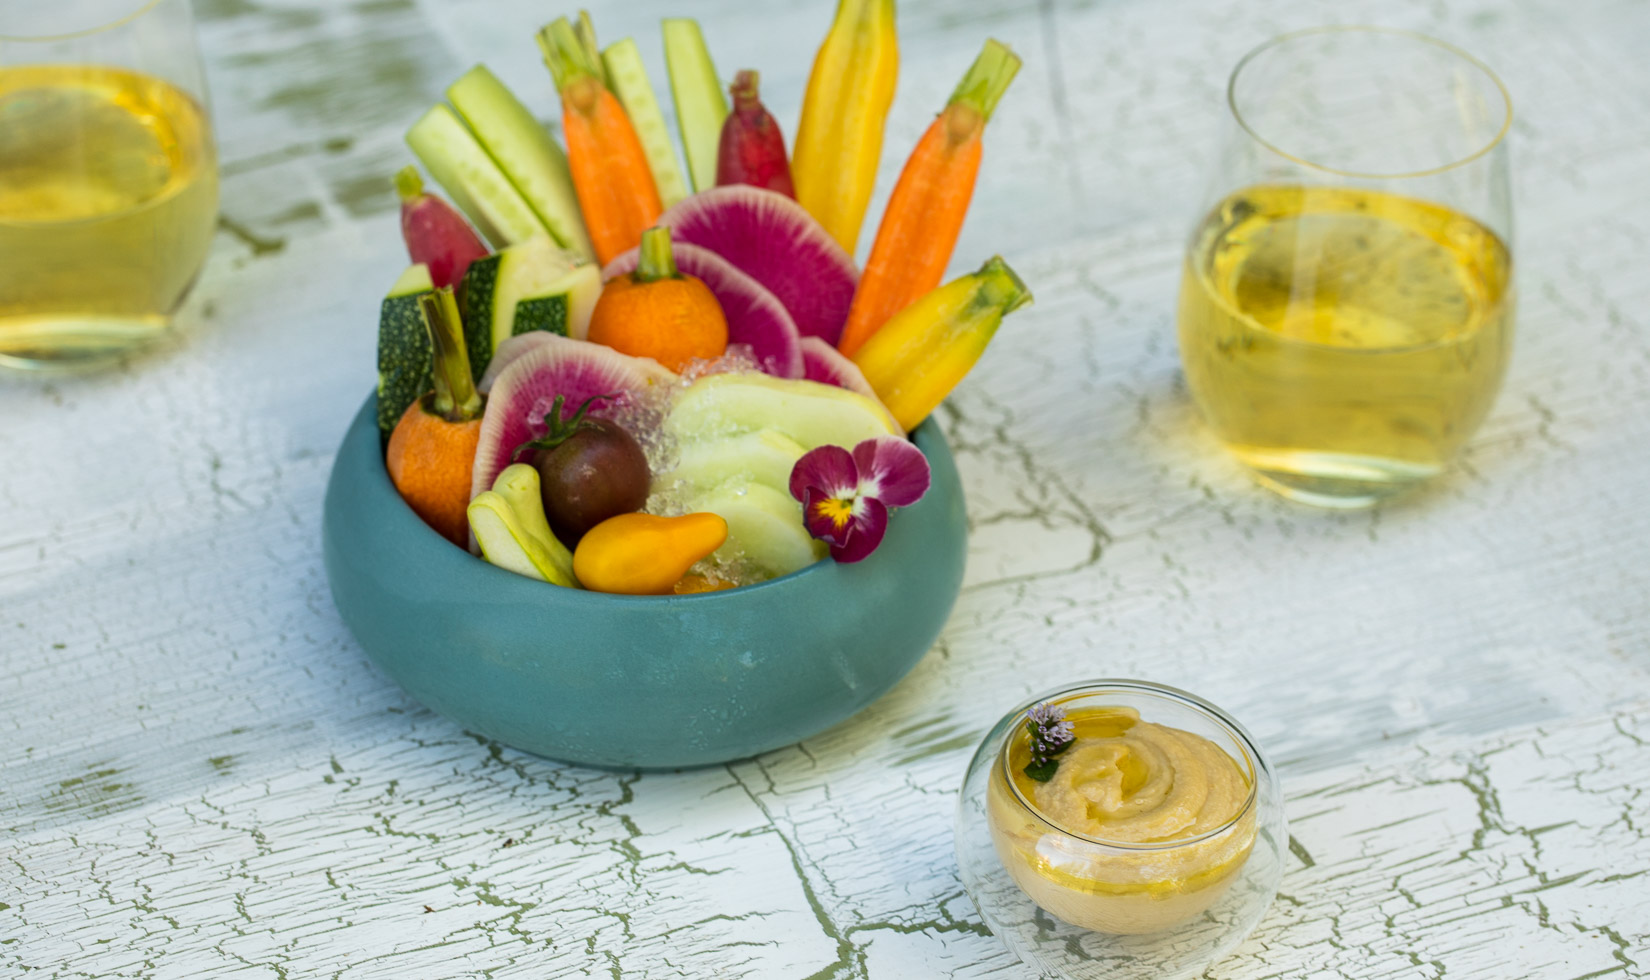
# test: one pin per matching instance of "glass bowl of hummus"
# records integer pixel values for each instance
(1120, 829)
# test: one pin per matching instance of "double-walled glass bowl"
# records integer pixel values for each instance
(1075, 905)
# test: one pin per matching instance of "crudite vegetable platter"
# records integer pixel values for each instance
(646, 434)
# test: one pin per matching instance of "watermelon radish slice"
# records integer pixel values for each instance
(755, 316)
(512, 348)
(824, 363)
(524, 390)
(774, 241)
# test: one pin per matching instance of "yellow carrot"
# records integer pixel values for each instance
(925, 213)
(915, 360)
(839, 142)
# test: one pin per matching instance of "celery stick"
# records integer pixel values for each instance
(472, 179)
(701, 105)
(627, 78)
(529, 156)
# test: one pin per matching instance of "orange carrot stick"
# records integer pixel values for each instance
(610, 172)
(925, 213)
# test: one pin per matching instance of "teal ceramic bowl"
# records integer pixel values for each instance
(635, 681)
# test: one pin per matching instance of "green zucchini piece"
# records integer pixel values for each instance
(472, 179)
(701, 105)
(403, 347)
(404, 356)
(524, 150)
(496, 286)
(627, 78)
(562, 307)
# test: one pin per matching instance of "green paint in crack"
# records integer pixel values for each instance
(1299, 850)
(952, 744)
(349, 80)
(484, 893)
(206, 10)
(301, 212)
(222, 763)
(259, 245)
(368, 195)
(848, 956)
(97, 793)
(384, 823)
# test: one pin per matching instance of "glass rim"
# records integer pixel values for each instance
(1265, 46)
(1240, 735)
(143, 8)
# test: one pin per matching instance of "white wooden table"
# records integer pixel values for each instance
(202, 776)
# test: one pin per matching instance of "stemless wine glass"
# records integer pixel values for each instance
(1074, 905)
(1346, 309)
(108, 176)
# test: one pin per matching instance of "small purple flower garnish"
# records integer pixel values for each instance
(846, 496)
(1051, 734)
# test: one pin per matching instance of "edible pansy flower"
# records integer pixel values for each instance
(846, 495)
(1051, 734)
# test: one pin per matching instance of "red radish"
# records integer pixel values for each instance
(752, 150)
(770, 238)
(523, 393)
(823, 363)
(436, 235)
(755, 317)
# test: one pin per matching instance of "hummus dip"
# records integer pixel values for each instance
(1141, 827)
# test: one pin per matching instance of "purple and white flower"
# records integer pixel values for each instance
(846, 495)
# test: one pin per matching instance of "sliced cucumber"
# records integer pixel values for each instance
(524, 150)
(764, 527)
(701, 105)
(627, 77)
(808, 412)
(472, 179)
(403, 347)
(497, 287)
(765, 456)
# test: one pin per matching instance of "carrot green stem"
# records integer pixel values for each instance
(999, 288)
(456, 398)
(655, 261)
(408, 184)
(983, 87)
(570, 53)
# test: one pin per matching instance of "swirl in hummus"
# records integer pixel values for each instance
(1096, 846)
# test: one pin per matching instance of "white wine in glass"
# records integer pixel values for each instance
(1347, 304)
(108, 176)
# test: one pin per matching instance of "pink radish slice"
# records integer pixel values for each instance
(823, 363)
(772, 239)
(526, 388)
(512, 348)
(755, 317)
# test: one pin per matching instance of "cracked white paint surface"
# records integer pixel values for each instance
(200, 775)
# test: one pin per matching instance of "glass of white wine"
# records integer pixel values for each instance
(1346, 309)
(108, 176)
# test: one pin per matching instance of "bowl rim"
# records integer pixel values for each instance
(924, 435)
(1258, 764)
